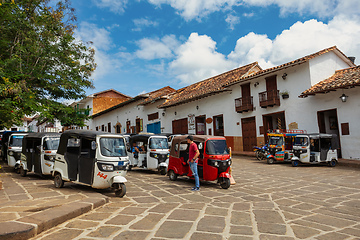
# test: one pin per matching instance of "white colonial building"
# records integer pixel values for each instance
(245, 103)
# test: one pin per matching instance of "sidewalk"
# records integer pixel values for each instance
(30, 205)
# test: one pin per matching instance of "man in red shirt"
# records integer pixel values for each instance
(193, 161)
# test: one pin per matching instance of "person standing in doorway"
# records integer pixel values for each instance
(193, 161)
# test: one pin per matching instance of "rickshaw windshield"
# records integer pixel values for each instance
(276, 140)
(112, 147)
(159, 143)
(51, 143)
(16, 141)
(301, 141)
(216, 147)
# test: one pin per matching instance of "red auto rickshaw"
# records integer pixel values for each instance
(214, 160)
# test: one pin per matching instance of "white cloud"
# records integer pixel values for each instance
(321, 8)
(299, 40)
(232, 20)
(156, 48)
(116, 6)
(197, 59)
(99, 36)
(140, 23)
(197, 9)
(101, 42)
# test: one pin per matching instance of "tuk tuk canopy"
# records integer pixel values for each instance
(37, 136)
(183, 140)
(318, 136)
(89, 134)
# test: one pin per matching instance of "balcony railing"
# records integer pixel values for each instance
(244, 104)
(269, 98)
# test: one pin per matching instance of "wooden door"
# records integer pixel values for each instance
(180, 126)
(245, 90)
(271, 83)
(248, 126)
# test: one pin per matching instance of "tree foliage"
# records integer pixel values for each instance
(41, 61)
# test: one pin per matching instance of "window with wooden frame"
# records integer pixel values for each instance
(153, 116)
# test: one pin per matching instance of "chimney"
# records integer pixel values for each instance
(352, 59)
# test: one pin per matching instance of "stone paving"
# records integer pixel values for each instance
(267, 202)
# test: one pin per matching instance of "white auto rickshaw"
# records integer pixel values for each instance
(154, 152)
(92, 158)
(38, 153)
(13, 149)
(315, 148)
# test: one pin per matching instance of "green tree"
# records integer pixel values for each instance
(41, 61)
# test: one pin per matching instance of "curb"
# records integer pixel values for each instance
(29, 226)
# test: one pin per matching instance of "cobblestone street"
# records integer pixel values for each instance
(267, 202)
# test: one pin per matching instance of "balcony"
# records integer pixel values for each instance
(244, 104)
(269, 98)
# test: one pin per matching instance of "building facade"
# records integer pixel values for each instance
(245, 103)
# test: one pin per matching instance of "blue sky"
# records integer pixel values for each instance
(144, 45)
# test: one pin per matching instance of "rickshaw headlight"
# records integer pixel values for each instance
(49, 157)
(106, 167)
(216, 163)
(11, 153)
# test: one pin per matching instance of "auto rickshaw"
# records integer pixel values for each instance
(38, 153)
(92, 158)
(281, 145)
(13, 149)
(315, 148)
(214, 160)
(154, 152)
(4, 143)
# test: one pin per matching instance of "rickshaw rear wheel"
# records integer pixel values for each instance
(332, 163)
(120, 191)
(270, 161)
(295, 163)
(58, 182)
(22, 172)
(162, 171)
(17, 169)
(225, 183)
(172, 175)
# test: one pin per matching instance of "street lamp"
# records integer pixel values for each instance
(343, 97)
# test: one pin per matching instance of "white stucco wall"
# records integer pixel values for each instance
(303, 111)
(324, 66)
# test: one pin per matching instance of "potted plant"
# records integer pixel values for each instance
(284, 94)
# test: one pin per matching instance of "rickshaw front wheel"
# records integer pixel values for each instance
(295, 163)
(22, 172)
(225, 183)
(172, 175)
(120, 190)
(162, 171)
(270, 161)
(58, 182)
(332, 163)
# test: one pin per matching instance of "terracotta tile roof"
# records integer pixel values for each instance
(207, 87)
(344, 78)
(157, 95)
(292, 63)
(152, 96)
